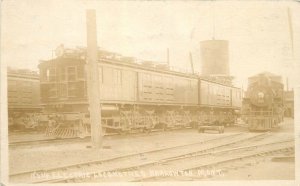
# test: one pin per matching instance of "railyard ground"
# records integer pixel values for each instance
(36, 157)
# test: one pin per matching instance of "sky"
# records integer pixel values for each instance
(258, 32)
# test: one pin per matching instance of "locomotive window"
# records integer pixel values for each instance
(215, 90)
(107, 75)
(26, 86)
(117, 77)
(12, 85)
(227, 92)
(84, 89)
(26, 100)
(51, 74)
(211, 89)
(47, 74)
(63, 90)
(127, 76)
(190, 84)
(72, 89)
(13, 94)
(43, 74)
(80, 71)
(157, 81)
(12, 99)
(52, 91)
(71, 73)
(147, 81)
(100, 74)
(62, 74)
(169, 83)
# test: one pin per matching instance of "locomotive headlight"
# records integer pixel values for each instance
(261, 95)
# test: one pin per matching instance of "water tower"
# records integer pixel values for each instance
(214, 58)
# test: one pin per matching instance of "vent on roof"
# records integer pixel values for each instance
(162, 66)
(148, 63)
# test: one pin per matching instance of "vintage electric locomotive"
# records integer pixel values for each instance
(23, 93)
(135, 96)
(263, 102)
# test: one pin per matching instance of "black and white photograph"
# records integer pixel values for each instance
(150, 92)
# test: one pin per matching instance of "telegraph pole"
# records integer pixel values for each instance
(192, 65)
(93, 80)
(168, 57)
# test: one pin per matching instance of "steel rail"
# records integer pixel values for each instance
(65, 167)
(79, 166)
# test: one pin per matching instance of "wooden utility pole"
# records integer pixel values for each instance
(93, 80)
(287, 84)
(168, 57)
(291, 29)
(191, 61)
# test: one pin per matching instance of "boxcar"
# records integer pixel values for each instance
(214, 94)
(219, 102)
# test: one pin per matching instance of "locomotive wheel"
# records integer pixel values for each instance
(194, 125)
(119, 132)
(221, 130)
(123, 132)
(165, 127)
(147, 131)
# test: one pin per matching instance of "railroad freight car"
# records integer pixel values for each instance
(219, 102)
(134, 96)
(263, 102)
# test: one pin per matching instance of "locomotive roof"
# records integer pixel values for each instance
(64, 60)
(22, 73)
(273, 77)
(146, 65)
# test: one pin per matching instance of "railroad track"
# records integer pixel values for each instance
(189, 165)
(25, 143)
(205, 166)
(47, 141)
(132, 161)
